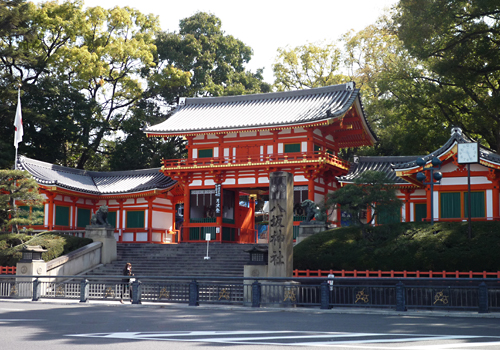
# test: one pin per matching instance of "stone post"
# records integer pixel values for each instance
(400, 297)
(280, 259)
(103, 234)
(483, 298)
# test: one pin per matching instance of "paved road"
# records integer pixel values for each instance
(53, 326)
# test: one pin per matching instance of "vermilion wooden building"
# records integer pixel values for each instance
(235, 142)
(450, 196)
(139, 201)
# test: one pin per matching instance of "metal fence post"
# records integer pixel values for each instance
(400, 297)
(136, 292)
(325, 295)
(84, 291)
(483, 298)
(256, 292)
(36, 290)
(193, 293)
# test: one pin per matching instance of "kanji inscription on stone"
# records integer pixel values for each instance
(280, 261)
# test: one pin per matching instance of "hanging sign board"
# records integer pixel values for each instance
(208, 236)
(217, 200)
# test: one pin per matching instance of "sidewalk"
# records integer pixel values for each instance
(311, 310)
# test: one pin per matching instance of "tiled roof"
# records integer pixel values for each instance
(94, 182)
(260, 110)
(383, 164)
(456, 137)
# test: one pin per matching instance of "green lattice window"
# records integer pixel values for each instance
(62, 216)
(477, 204)
(135, 219)
(450, 205)
(420, 211)
(205, 153)
(83, 217)
(292, 147)
(112, 218)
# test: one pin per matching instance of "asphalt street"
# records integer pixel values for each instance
(57, 325)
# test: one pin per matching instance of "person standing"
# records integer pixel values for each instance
(127, 271)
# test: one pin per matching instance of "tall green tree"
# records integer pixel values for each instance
(215, 59)
(458, 42)
(83, 72)
(308, 66)
(18, 187)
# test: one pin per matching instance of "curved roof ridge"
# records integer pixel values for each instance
(94, 182)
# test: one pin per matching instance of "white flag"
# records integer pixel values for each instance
(18, 122)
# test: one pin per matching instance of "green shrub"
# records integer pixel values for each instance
(405, 246)
(56, 245)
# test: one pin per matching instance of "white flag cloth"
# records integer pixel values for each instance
(18, 122)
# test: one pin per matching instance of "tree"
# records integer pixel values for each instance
(90, 67)
(370, 191)
(18, 187)
(308, 66)
(396, 105)
(215, 60)
(458, 43)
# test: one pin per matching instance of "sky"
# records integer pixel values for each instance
(268, 25)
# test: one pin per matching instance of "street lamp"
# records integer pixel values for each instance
(434, 175)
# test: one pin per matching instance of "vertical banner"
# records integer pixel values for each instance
(218, 205)
(280, 258)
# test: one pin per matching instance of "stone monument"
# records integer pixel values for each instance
(100, 230)
(280, 258)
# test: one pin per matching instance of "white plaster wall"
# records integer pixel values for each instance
(304, 146)
(226, 152)
(246, 180)
(248, 134)
(195, 183)
(156, 237)
(329, 137)
(162, 220)
(412, 212)
(142, 236)
(128, 237)
(199, 137)
(269, 149)
(318, 189)
(46, 215)
(195, 153)
(58, 198)
(476, 180)
(113, 202)
(265, 133)
(141, 200)
(263, 180)
(212, 137)
(128, 201)
(162, 201)
(318, 198)
(230, 135)
(285, 131)
(209, 183)
(403, 213)
(436, 204)
(299, 130)
(299, 178)
(280, 148)
(229, 182)
(216, 151)
(317, 132)
(489, 203)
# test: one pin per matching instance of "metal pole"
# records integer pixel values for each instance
(469, 209)
(432, 195)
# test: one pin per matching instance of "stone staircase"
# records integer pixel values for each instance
(184, 259)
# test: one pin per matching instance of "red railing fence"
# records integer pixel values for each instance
(7, 270)
(392, 273)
